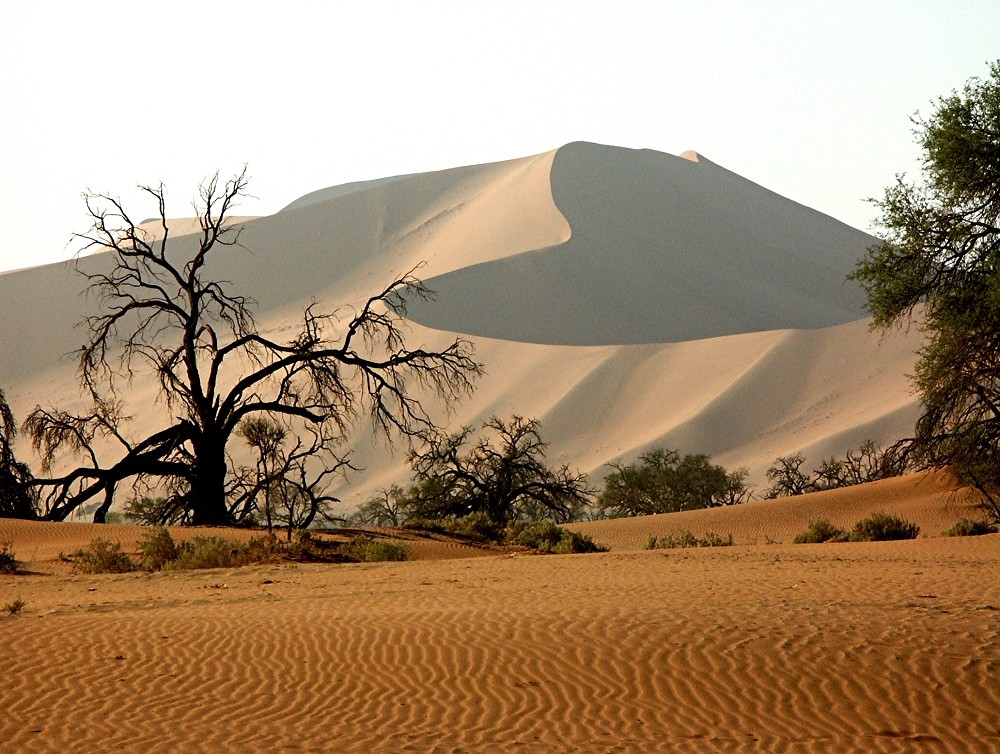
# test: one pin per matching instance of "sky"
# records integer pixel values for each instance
(811, 99)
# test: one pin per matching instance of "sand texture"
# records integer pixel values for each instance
(627, 299)
(856, 647)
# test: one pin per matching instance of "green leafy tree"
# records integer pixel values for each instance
(939, 265)
(664, 482)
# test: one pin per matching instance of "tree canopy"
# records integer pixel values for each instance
(502, 475)
(664, 482)
(938, 265)
(163, 312)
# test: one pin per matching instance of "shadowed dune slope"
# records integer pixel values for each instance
(663, 249)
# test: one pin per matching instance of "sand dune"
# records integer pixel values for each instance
(627, 299)
(874, 647)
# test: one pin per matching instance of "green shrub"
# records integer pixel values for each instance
(675, 540)
(13, 609)
(103, 556)
(545, 536)
(208, 552)
(367, 549)
(157, 549)
(880, 527)
(821, 530)
(968, 527)
(8, 563)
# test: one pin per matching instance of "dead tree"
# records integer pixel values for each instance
(162, 312)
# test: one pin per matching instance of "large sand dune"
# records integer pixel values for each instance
(627, 299)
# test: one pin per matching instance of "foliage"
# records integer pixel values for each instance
(939, 263)
(8, 562)
(867, 463)
(163, 312)
(156, 549)
(681, 539)
(103, 556)
(368, 549)
(663, 482)
(880, 526)
(821, 530)
(969, 527)
(14, 607)
(546, 536)
(208, 552)
(505, 479)
(18, 498)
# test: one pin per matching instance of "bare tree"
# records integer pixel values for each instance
(507, 479)
(17, 496)
(162, 311)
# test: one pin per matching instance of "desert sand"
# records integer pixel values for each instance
(766, 647)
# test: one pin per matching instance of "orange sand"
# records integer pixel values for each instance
(861, 647)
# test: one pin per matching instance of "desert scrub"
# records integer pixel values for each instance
(14, 608)
(103, 556)
(367, 549)
(207, 552)
(675, 540)
(8, 563)
(970, 527)
(821, 530)
(880, 527)
(545, 536)
(157, 549)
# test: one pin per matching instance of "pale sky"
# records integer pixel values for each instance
(811, 99)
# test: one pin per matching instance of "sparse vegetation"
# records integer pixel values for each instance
(682, 539)
(103, 556)
(970, 527)
(156, 549)
(545, 536)
(8, 562)
(867, 463)
(821, 530)
(368, 549)
(880, 527)
(14, 608)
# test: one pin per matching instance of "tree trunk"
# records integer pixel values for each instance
(208, 487)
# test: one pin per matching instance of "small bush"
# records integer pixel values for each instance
(682, 539)
(545, 536)
(880, 527)
(8, 563)
(13, 609)
(821, 530)
(103, 556)
(368, 549)
(157, 549)
(208, 552)
(968, 527)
